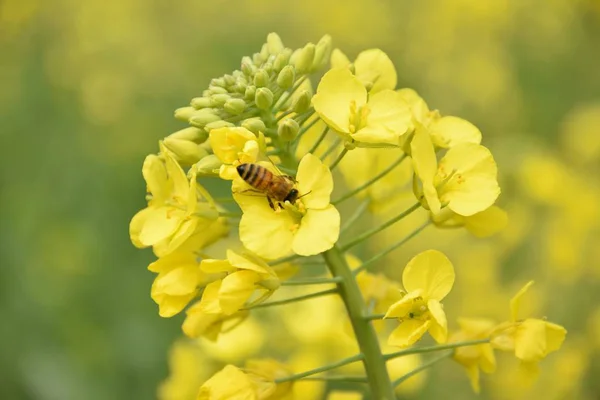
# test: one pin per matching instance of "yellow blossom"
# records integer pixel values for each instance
(244, 274)
(378, 120)
(187, 370)
(268, 370)
(378, 292)
(199, 323)
(427, 279)
(464, 180)
(232, 384)
(176, 207)
(308, 227)
(477, 357)
(372, 67)
(482, 224)
(233, 146)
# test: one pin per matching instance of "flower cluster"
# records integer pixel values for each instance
(263, 137)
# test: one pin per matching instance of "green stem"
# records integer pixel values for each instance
(319, 140)
(370, 261)
(283, 115)
(331, 148)
(230, 215)
(355, 216)
(372, 317)
(337, 378)
(374, 231)
(371, 181)
(286, 95)
(374, 363)
(338, 159)
(429, 349)
(292, 300)
(423, 367)
(311, 281)
(324, 368)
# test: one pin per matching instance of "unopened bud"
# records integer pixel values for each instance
(263, 98)
(264, 52)
(261, 79)
(349, 145)
(250, 92)
(248, 67)
(218, 124)
(257, 59)
(186, 152)
(217, 82)
(184, 113)
(229, 80)
(288, 129)
(235, 106)
(322, 53)
(286, 77)
(254, 125)
(302, 102)
(208, 166)
(304, 59)
(201, 119)
(218, 100)
(282, 59)
(274, 43)
(217, 90)
(191, 134)
(200, 102)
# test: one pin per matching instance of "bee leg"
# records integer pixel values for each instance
(271, 203)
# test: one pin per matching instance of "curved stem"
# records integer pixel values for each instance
(292, 300)
(374, 363)
(310, 281)
(324, 368)
(429, 349)
(319, 140)
(421, 368)
(338, 159)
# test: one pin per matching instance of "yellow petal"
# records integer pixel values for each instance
(172, 261)
(473, 374)
(137, 224)
(487, 222)
(425, 166)
(439, 326)
(515, 302)
(197, 323)
(227, 142)
(375, 70)
(339, 59)
(487, 362)
(408, 332)
(530, 340)
(181, 234)
(241, 262)
(315, 182)
(267, 233)
(431, 272)
(449, 131)
(337, 89)
(319, 231)
(159, 224)
(177, 282)
(473, 186)
(215, 266)
(402, 307)
(228, 384)
(235, 289)
(555, 336)
(177, 178)
(155, 175)
(209, 303)
(169, 306)
(419, 108)
(389, 118)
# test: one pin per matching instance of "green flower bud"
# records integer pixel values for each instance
(248, 67)
(218, 100)
(286, 77)
(250, 92)
(304, 59)
(301, 102)
(254, 125)
(201, 119)
(288, 129)
(217, 90)
(186, 152)
(184, 113)
(235, 106)
(282, 59)
(258, 59)
(200, 102)
(218, 124)
(261, 79)
(264, 52)
(191, 134)
(229, 80)
(208, 166)
(217, 82)
(268, 67)
(274, 43)
(263, 98)
(322, 53)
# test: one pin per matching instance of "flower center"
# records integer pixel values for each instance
(419, 310)
(358, 116)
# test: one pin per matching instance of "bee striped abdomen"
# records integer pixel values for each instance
(256, 176)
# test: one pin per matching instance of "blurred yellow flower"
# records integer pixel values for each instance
(232, 384)
(427, 278)
(368, 121)
(379, 293)
(372, 67)
(308, 227)
(269, 370)
(199, 323)
(233, 146)
(187, 370)
(482, 224)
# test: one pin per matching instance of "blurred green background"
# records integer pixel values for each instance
(89, 87)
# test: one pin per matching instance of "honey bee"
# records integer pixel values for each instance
(279, 188)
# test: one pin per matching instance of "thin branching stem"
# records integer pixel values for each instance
(337, 378)
(292, 300)
(331, 148)
(319, 140)
(339, 158)
(423, 367)
(360, 210)
(429, 349)
(310, 281)
(324, 368)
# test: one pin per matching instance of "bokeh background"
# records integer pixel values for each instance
(89, 87)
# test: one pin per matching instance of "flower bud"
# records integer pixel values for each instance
(274, 43)
(201, 119)
(286, 77)
(184, 113)
(267, 67)
(191, 134)
(218, 124)
(235, 106)
(322, 53)
(349, 145)
(254, 125)
(250, 92)
(248, 67)
(304, 59)
(200, 102)
(282, 59)
(263, 98)
(185, 152)
(217, 90)
(217, 82)
(208, 166)
(302, 102)
(218, 100)
(257, 59)
(261, 79)
(264, 52)
(229, 80)
(288, 129)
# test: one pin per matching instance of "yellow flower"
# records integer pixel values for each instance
(378, 120)
(233, 146)
(378, 292)
(198, 323)
(372, 67)
(232, 384)
(243, 275)
(427, 279)
(531, 339)
(187, 370)
(268, 370)
(175, 208)
(464, 180)
(308, 227)
(477, 357)
(482, 224)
